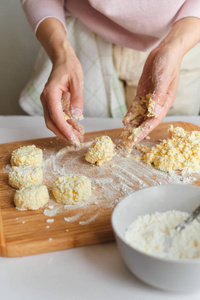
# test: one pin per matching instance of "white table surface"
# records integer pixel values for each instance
(92, 272)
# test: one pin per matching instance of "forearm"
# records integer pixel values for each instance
(184, 35)
(52, 36)
(38, 10)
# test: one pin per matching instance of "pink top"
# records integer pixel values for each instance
(137, 24)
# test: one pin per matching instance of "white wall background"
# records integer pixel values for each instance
(18, 49)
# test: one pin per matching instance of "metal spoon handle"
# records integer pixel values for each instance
(186, 222)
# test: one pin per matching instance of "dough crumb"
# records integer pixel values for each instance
(101, 150)
(72, 189)
(31, 198)
(50, 220)
(25, 175)
(141, 110)
(50, 207)
(181, 151)
(30, 155)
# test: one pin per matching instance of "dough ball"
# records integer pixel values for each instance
(72, 189)
(101, 150)
(32, 197)
(30, 155)
(25, 175)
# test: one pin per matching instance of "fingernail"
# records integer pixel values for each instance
(76, 113)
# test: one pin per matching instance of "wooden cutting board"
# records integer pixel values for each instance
(32, 232)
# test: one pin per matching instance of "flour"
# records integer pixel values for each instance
(8, 167)
(140, 182)
(50, 220)
(76, 206)
(88, 221)
(51, 212)
(72, 219)
(111, 182)
(150, 234)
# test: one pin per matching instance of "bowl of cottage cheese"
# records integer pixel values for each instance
(144, 223)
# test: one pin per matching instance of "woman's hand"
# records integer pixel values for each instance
(160, 77)
(66, 78)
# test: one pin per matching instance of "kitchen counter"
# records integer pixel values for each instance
(92, 272)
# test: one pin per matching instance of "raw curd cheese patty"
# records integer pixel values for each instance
(31, 198)
(72, 189)
(30, 155)
(25, 175)
(101, 150)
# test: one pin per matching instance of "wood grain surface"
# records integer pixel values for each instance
(26, 232)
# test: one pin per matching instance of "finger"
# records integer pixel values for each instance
(78, 127)
(76, 100)
(162, 77)
(133, 115)
(55, 116)
(49, 123)
(65, 102)
(148, 125)
(145, 84)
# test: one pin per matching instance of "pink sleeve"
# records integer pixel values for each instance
(191, 8)
(38, 10)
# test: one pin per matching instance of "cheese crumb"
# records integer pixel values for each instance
(141, 109)
(181, 151)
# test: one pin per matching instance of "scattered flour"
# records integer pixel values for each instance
(110, 183)
(50, 220)
(51, 212)
(88, 220)
(72, 219)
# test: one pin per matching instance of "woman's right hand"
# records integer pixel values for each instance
(66, 78)
(160, 78)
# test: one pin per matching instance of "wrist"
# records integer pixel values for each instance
(60, 53)
(184, 35)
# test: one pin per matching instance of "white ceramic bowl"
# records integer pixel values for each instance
(174, 275)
